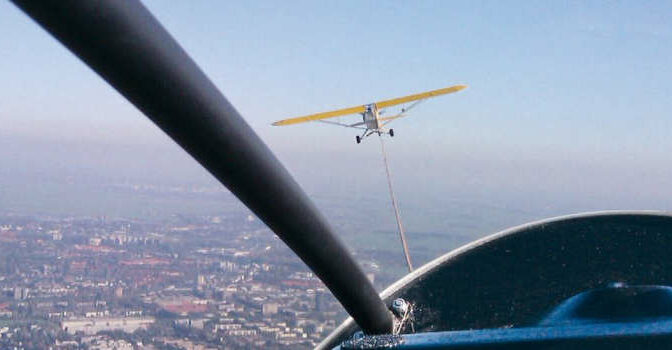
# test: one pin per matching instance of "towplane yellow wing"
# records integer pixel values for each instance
(319, 116)
(420, 96)
(362, 108)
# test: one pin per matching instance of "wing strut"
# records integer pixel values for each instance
(354, 126)
(128, 47)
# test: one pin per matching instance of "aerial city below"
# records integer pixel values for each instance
(191, 283)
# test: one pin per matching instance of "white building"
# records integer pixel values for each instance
(91, 326)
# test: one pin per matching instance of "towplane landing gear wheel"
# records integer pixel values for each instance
(391, 132)
(358, 139)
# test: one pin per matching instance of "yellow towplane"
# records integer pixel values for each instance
(372, 121)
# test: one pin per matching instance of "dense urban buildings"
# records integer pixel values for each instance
(185, 283)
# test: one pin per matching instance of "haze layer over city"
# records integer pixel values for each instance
(567, 111)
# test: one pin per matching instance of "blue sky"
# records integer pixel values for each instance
(560, 93)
